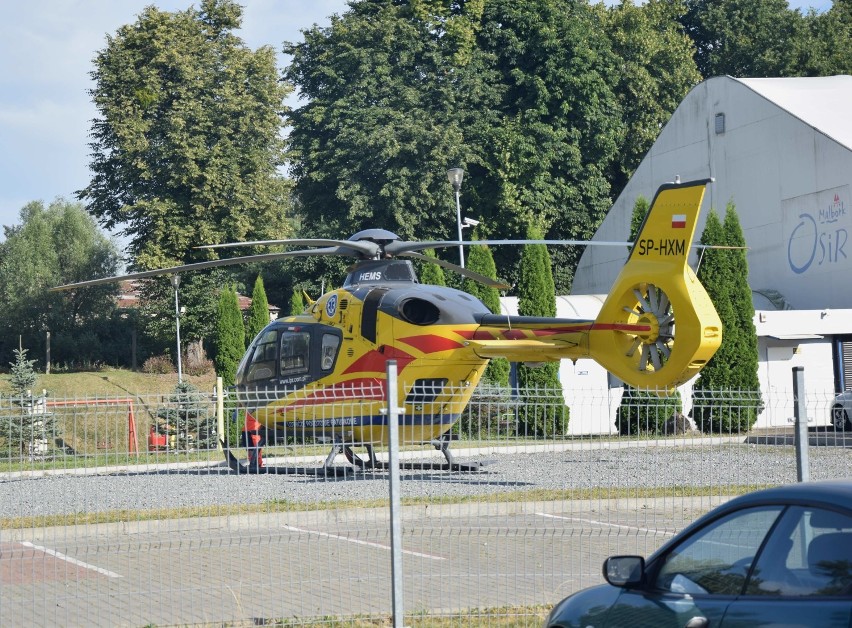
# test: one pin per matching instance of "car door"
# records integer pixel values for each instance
(695, 581)
(803, 576)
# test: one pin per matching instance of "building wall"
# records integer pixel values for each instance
(789, 178)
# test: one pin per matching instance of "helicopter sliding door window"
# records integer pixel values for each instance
(295, 352)
(330, 346)
(261, 365)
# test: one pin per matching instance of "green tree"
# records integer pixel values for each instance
(726, 397)
(432, 274)
(258, 317)
(187, 145)
(188, 421)
(22, 375)
(480, 260)
(655, 71)
(230, 336)
(297, 302)
(744, 38)
(823, 49)
(51, 246)
(642, 411)
(544, 412)
(27, 430)
(198, 299)
(516, 93)
(549, 141)
(373, 141)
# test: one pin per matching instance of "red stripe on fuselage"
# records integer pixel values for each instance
(430, 343)
(374, 361)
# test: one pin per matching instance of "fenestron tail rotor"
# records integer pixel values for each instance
(653, 308)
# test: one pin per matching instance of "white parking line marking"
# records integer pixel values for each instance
(605, 523)
(73, 561)
(360, 542)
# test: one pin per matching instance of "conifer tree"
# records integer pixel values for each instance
(230, 336)
(297, 302)
(22, 374)
(258, 317)
(432, 274)
(187, 422)
(480, 260)
(642, 411)
(727, 395)
(27, 430)
(545, 412)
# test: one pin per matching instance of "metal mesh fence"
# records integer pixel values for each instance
(127, 512)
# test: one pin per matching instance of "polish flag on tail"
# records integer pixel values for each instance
(679, 221)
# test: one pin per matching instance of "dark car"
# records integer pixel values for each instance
(777, 557)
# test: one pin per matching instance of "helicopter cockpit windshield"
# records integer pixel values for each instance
(289, 356)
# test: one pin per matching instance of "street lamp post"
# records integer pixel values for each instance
(455, 176)
(175, 284)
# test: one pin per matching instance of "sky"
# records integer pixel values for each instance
(46, 52)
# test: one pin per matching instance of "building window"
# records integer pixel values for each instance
(720, 123)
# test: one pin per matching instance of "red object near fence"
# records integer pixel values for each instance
(132, 442)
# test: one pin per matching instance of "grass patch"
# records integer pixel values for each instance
(503, 617)
(283, 505)
(109, 382)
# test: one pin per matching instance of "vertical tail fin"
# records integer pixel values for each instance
(675, 328)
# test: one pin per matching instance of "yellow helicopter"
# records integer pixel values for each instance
(321, 374)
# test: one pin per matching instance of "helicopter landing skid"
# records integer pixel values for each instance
(246, 469)
(442, 445)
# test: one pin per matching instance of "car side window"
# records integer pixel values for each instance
(716, 559)
(808, 555)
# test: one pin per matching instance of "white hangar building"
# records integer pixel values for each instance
(780, 149)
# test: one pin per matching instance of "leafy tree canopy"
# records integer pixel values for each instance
(743, 37)
(51, 246)
(517, 94)
(186, 147)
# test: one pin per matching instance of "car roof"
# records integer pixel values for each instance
(831, 492)
(836, 494)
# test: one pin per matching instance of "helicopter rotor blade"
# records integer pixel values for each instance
(265, 257)
(488, 281)
(397, 248)
(367, 248)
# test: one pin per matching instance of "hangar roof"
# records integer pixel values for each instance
(821, 102)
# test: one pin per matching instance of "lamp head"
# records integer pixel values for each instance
(455, 176)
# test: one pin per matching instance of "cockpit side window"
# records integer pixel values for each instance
(330, 345)
(295, 352)
(261, 365)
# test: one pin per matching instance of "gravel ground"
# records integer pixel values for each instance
(716, 465)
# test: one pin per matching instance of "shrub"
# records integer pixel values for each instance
(643, 412)
(158, 365)
(195, 361)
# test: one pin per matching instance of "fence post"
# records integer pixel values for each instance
(803, 473)
(392, 412)
(220, 413)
